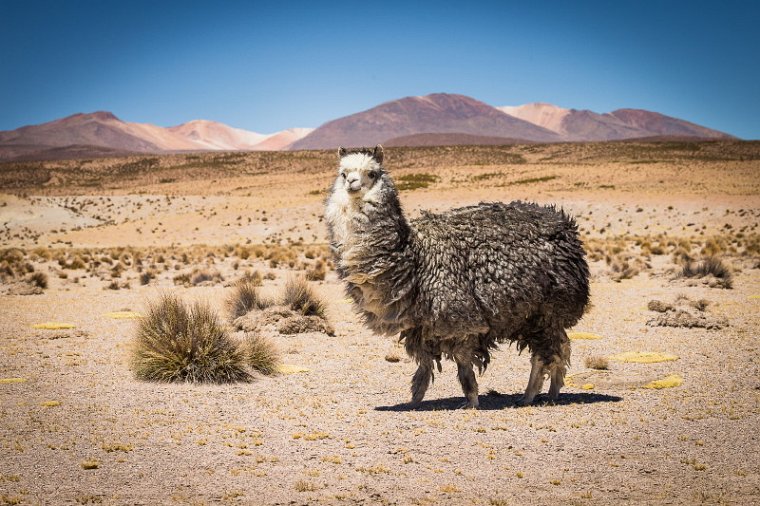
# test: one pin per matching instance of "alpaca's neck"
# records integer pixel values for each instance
(374, 222)
(373, 246)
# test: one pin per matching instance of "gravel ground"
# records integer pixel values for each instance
(342, 433)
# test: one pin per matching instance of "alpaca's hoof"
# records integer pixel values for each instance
(525, 401)
(469, 405)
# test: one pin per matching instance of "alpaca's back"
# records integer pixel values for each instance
(498, 267)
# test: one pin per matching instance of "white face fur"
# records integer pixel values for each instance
(359, 181)
(357, 174)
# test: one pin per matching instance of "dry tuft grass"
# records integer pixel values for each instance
(39, 279)
(317, 273)
(711, 266)
(89, 464)
(244, 298)
(176, 342)
(299, 296)
(261, 354)
(305, 486)
(599, 363)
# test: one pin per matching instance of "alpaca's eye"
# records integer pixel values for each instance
(343, 174)
(372, 174)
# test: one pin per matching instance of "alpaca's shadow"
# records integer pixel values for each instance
(494, 400)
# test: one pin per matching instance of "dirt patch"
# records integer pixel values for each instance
(283, 320)
(684, 312)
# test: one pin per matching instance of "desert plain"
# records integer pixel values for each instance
(662, 403)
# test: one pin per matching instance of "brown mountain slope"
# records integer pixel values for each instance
(94, 129)
(584, 125)
(436, 113)
(655, 123)
(452, 139)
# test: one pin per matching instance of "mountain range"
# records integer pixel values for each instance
(436, 119)
(102, 134)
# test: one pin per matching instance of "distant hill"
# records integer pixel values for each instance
(102, 134)
(437, 119)
(436, 113)
(584, 125)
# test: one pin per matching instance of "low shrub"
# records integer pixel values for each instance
(177, 342)
(711, 266)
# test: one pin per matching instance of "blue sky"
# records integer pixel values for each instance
(265, 66)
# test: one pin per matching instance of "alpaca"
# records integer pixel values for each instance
(457, 284)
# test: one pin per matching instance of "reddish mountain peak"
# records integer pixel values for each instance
(434, 113)
(97, 115)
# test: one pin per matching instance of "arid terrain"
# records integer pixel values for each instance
(662, 404)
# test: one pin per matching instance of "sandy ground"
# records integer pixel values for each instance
(340, 432)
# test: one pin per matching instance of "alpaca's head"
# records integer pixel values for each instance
(363, 196)
(360, 171)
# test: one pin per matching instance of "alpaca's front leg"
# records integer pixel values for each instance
(558, 368)
(535, 382)
(469, 384)
(421, 380)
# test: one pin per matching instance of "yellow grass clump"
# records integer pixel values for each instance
(674, 380)
(89, 464)
(53, 326)
(577, 336)
(124, 315)
(643, 357)
(50, 404)
(587, 386)
(291, 369)
(6, 381)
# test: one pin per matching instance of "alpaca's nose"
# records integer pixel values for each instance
(353, 182)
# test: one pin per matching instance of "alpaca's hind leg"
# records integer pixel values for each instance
(535, 381)
(469, 384)
(421, 380)
(558, 367)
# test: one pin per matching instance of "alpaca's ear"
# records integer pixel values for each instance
(341, 152)
(378, 153)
